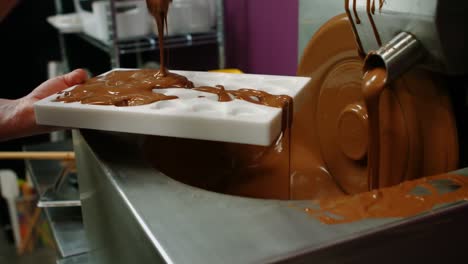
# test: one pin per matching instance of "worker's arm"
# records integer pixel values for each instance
(5, 7)
(17, 116)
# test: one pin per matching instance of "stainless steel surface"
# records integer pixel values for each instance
(312, 15)
(397, 56)
(66, 198)
(79, 259)
(438, 24)
(45, 173)
(67, 228)
(135, 214)
(66, 223)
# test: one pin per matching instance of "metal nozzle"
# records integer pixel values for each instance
(397, 56)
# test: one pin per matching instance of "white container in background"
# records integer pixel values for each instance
(189, 16)
(10, 191)
(131, 19)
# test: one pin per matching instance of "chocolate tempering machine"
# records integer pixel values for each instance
(133, 213)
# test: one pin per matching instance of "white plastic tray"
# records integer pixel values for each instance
(189, 116)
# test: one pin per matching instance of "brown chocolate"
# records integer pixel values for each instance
(374, 82)
(125, 88)
(249, 95)
(398, 201)
(416, 124)
(237, 169)
(159, 9)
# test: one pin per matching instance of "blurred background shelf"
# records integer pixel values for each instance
(151, 42)
(103, 21)
(66, 223)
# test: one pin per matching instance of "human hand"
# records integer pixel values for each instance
(17, 117)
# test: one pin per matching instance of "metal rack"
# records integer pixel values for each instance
(66, 223)
(115, 47)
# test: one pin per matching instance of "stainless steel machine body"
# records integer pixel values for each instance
(135, 214)
(439, 25)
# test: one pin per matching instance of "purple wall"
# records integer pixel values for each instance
(262, 35)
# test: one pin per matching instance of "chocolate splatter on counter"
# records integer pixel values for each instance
(402, 200)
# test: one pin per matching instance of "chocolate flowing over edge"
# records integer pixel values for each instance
(374, 83)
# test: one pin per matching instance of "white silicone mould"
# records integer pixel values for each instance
(189, 116)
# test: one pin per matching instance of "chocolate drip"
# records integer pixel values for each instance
(159, 9)
(373, 85)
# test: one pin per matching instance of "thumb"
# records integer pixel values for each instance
(58, 84)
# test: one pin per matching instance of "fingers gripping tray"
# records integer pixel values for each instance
(194, 114)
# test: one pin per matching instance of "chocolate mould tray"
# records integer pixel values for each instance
(195, 114)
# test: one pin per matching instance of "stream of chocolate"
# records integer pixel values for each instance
(374, 82)
(406, 199)
(159, 9)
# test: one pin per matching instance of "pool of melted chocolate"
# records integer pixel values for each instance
(125, 88)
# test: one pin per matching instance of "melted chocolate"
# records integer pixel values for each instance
(159, 9)
(256, 97)
(374, 82)
(331, 144)
(125, 88)
(397, 201)
(235, 169)
(249, 95)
